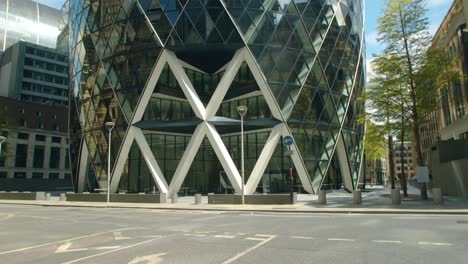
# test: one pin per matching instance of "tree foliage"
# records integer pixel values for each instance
(403, 30)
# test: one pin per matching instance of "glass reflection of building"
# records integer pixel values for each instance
(170, 74)
(28, 21)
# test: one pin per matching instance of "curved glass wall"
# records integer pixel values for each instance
(171, 74)
(29, 21)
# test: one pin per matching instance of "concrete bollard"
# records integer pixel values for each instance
(395, 195)
(163, 198)
(198, 198)
(63, 197)
(40, 196)
(174, 198)
(437, 196)
(47, 196)
(322, 197)
(357, 198)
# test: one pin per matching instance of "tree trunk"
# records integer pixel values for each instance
(415, 117)
(390, 161)
(402, 161)
(402, 152)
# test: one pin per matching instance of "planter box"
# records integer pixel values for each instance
(116, 198)
(251, 198)
(17, 196)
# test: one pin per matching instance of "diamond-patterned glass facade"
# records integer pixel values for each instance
(171, 73)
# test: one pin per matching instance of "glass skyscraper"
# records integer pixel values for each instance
(171, 73)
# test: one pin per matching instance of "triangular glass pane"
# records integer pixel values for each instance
(134, 56)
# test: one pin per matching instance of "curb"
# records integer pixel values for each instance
(260, 210)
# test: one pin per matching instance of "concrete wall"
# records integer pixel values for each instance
(17, 196)
(450, 175)
(117, 198)
(251, 199)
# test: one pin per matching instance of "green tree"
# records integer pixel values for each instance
(403, 29)
(383, 106)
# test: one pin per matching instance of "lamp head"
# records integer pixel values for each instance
(2, 139)
(109, 125)
(242, 109)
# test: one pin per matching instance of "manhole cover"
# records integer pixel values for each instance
(462, 222)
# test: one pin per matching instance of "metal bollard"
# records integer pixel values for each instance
(322, 197)
(174, 198)
(357, 198)
(198, 198)
(437, 196)
(395, 195)
(63, 197)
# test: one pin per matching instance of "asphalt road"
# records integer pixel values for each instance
(30, 234)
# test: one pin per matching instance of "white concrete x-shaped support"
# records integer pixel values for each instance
(205, 128)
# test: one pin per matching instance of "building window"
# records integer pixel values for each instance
(37, 175)
(53, 176)
(40, 138)
(38, 161)
(29, 50)
(54, 158)
(21, 155)
(56, 140)
(67, 176)
(23, 136)
(20, 175)
(3, 174)
(67, 159)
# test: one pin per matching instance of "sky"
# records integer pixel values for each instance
(436, 13)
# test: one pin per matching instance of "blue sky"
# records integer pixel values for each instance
(436, 12)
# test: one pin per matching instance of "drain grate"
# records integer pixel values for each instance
(463, 222)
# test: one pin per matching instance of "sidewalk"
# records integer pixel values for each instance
(375, 201)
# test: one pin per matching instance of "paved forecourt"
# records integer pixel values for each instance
(99, 235)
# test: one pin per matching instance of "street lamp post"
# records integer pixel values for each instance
(242, 109)
(109, 126)
(2, 139)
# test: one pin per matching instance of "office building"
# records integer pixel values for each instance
(408, 165)
(34, 73)
(29, 21)
(34, 156)
(171, 75)
(449, 154)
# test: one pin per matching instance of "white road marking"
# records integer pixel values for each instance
(236, 257)
(111, 251)
(118, 236)
(109, 247)
(341, 239)
(387, 241)
(302, 237)
(434, 243)
(285, 216)
(65, 248)
(195, 235)
(241, 234)
(150, 259)
(153, 236)
(224, 236)
(255, 238)
(203, 232)
(429, 217)
(262, 235)
(65, 240)
(7, 217)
